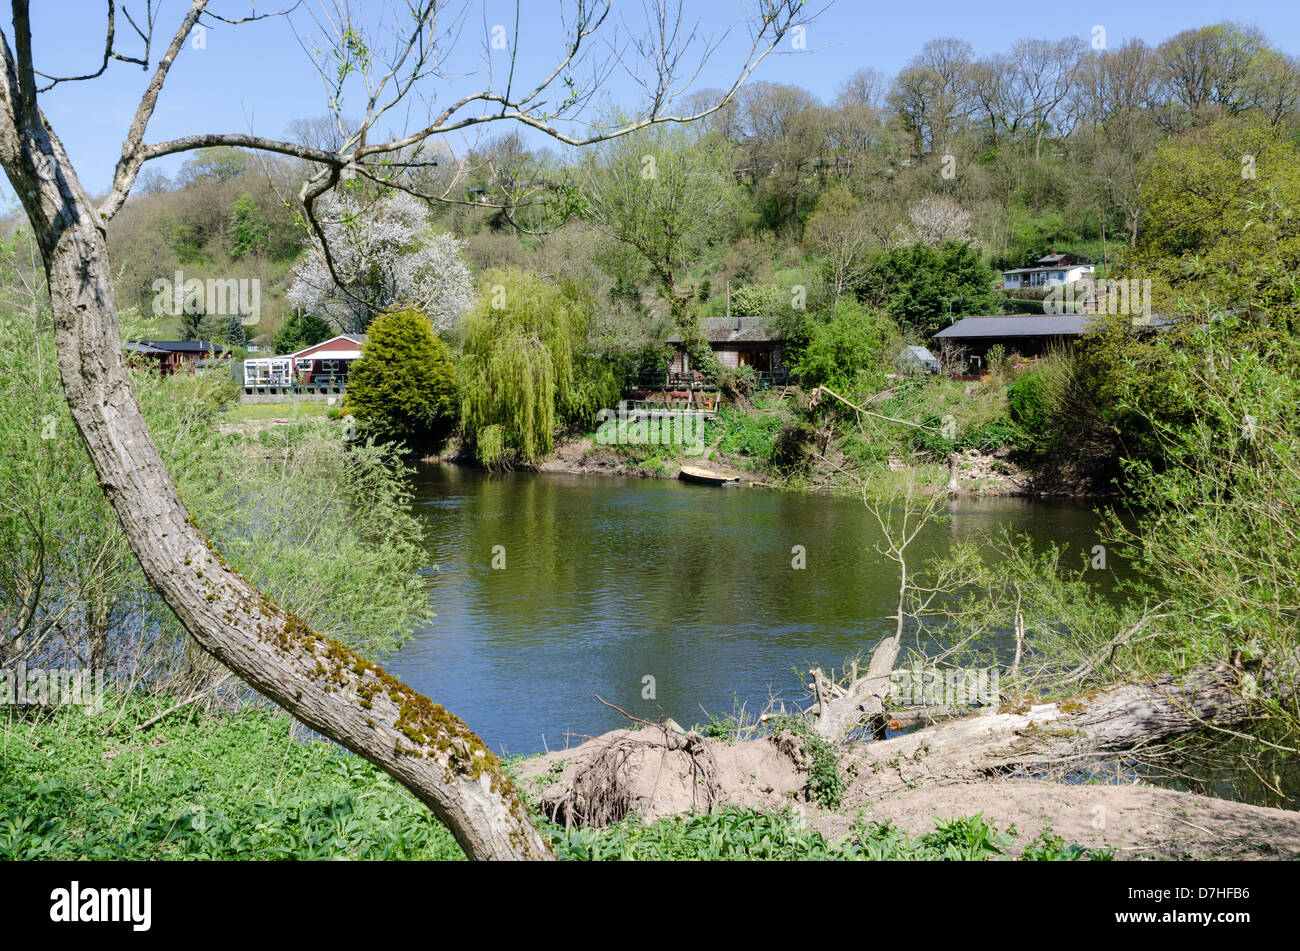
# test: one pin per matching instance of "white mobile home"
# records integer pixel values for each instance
(1051, 270)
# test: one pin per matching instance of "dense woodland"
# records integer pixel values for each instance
(859, 224)
(1046, 145)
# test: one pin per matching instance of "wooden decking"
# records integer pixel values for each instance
(317, 389)
(651, 409)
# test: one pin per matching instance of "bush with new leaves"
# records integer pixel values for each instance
(850, 350)
(403, 389)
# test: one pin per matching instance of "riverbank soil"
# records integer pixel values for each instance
(581, 456)
(979, 474)
(1135, 821)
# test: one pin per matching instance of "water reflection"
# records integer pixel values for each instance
(610, 580)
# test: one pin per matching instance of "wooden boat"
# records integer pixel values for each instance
(706, 476)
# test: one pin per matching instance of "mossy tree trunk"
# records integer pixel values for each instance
(322, 683)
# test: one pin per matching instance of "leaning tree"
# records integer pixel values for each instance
(318, 680)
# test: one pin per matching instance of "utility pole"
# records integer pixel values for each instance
(948, 302)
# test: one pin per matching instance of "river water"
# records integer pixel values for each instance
(608, 581)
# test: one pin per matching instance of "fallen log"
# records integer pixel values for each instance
(1120, 718)
(838, 710)
(657, 772)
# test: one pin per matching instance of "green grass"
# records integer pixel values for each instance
(248, 412)
(223, 787)
(742, 834)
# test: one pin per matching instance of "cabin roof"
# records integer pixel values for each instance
(176, 346)
(1066, 325)
(736, 330)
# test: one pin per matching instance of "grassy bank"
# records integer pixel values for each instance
(221, 786)
(240, 785)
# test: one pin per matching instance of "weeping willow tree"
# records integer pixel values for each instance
(525, 369)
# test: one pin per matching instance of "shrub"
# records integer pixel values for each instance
(1033, 402)
(747, 435)
(736, 383)
(793, 447)
(849, 351)
(403, 389)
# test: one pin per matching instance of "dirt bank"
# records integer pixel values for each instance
(978, 474)
(1136, 821)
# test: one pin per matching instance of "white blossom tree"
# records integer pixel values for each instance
(387, 256)
(935, 219)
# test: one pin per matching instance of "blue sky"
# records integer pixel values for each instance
(257, 75)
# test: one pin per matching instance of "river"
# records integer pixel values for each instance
(608, 580)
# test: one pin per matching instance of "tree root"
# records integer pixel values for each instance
(612, 782)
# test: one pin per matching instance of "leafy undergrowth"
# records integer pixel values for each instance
(241, 786)
(212, 787)
(732, 834)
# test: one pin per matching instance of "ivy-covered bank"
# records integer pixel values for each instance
(246, 785)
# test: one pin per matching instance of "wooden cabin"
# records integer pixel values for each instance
(1030, 336)
(169, 356)
(738, 342)
(318, 370)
